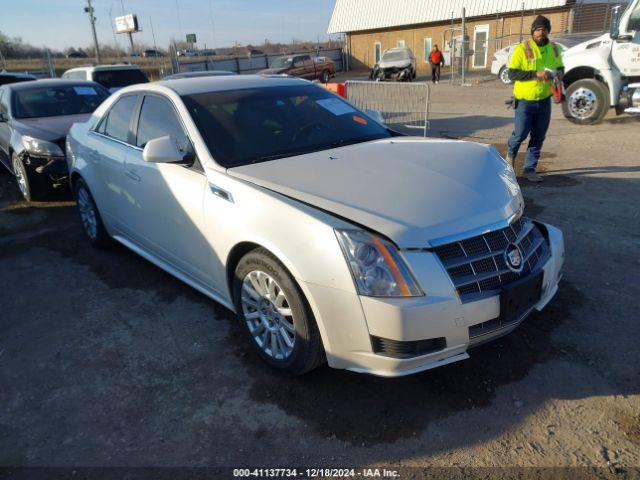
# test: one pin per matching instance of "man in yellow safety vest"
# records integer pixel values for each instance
(532, 67)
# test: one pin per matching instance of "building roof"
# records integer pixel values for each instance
(359, 15)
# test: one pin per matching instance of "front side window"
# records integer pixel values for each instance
(56, 101)
(158, 119)
(261, 124)
(634, 19)
(116, 124)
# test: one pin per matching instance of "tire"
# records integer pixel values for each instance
(90, 216)
(285, 338)
(587, 102)
(503, 75)
(32, 185)
(415, 74)
(325, 76)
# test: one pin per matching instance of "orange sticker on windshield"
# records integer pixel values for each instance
(359, 120)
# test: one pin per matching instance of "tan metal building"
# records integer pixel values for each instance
(373, 26)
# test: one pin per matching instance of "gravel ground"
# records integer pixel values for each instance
(106, 360)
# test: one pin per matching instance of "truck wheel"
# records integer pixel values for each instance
(278, 320)
(503, 75)
(587, 102)
(325, 76)
(32, 185)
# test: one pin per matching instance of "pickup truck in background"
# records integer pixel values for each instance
(303, 66)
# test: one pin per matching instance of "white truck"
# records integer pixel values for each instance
(605, 72)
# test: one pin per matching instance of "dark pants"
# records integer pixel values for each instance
(532, 118)
(435, 72)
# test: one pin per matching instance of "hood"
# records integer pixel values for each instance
(272, 71)
(411, 190)
(603, 40)
(402, 63)
(48, 128)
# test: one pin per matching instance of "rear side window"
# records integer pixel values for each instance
(116, 123)
(158, 119)
(119, 78)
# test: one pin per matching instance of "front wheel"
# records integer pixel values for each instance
(278, 320)
(32, 185)
(325, 76)
(587, 102)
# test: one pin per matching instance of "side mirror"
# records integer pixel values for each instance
(164, 150)
(376, 115)
(614, 31)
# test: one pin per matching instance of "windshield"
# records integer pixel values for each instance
(395, 55)
(57, 101)
(282, 62)
(255, 125)
(119, 78)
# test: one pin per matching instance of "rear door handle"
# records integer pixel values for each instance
(132, 174)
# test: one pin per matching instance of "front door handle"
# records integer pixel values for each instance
(132, 174)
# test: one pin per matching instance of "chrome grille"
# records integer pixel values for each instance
(477, 267)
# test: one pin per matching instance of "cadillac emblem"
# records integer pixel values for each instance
(513, 258)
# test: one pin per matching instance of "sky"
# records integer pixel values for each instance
(58, 24)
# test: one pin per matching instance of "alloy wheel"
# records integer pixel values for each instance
(267, 313)
(21, 176)
(87, 213)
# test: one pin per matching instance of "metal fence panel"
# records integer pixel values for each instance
(399, 103)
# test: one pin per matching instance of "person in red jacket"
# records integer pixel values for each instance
(436, 59)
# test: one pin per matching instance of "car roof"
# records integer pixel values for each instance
(204, 73)
(191, 86)
(49, 82)
(115, 66)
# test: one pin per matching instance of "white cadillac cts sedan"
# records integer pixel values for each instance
(329, 235)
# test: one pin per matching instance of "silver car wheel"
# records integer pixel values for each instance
(268, 315)
(87, 214)
(583, 103)
(21, 176)
(504, 76)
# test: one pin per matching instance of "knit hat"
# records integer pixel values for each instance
(541, 21)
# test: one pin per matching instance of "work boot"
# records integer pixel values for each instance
(532, 176)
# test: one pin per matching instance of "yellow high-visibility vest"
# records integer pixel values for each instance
(534, 59)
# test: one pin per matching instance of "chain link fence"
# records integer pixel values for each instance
(403, 104)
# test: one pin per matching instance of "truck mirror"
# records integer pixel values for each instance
(614, 32)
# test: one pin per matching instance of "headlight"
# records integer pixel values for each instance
(41, 148)
(377, 268)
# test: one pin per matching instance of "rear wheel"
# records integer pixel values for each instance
(278, 320)
(90, 216)
(587, 102)
(325, 76)
(504, 75)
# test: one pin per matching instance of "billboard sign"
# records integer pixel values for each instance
(127, 24)
(191, 38)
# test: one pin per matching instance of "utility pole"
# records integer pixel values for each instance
(89, 10)
(463, 52)
(155, 47)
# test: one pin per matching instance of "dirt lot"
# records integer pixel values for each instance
(106, 360)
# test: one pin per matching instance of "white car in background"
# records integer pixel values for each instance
(499, 65)
(112, 77)
(329, 235)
